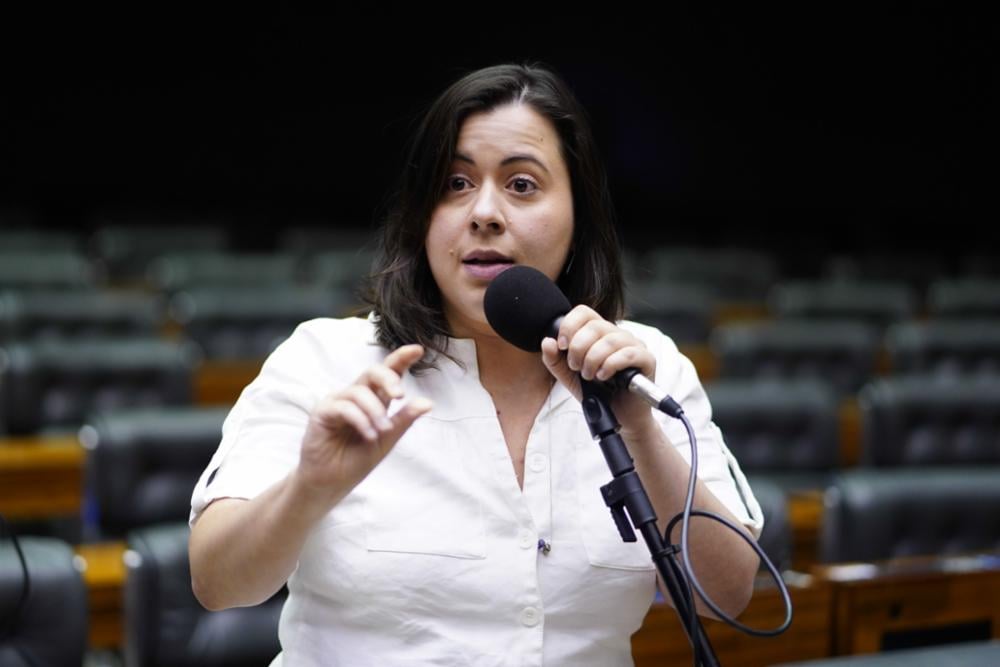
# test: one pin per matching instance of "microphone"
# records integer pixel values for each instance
(524, 306)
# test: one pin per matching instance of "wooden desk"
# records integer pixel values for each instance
(220, 382)
(661, 641)
(103, 570)
(910, 595)
(41, 477)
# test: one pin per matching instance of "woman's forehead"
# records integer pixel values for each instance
(506, 134)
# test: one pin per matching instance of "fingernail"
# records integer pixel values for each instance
(563, 343)
(371, 434)
(384, 424)
(602, 375)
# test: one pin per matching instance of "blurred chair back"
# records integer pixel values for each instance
(919, 421)
(51, 314)
(51, 627)
(733, 274)
(144, 463)
(683, 312)
(878, 304)
(881, 514)
(45, 270)
(842, 353)
(954, 347)
(783, 427)
(55, 384)
(171, 273)
(967, 299)
(241, 323)
(776, 538)
(166, 626)
(126, 250)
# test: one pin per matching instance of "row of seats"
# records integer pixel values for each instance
(870, 515)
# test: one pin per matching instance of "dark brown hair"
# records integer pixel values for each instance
(401, 289)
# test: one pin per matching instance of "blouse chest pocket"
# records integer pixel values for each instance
(599, 532)
(423, 497)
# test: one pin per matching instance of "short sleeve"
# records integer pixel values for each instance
(718, 469)
(261, 435)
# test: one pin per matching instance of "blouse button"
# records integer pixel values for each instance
(538, 462)
(526, 540)
(530, 617)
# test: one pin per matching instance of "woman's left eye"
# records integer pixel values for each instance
(524, 185)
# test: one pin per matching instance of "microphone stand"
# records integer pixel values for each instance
(625, 492)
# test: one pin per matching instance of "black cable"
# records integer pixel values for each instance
(674, 410)
(8, 625)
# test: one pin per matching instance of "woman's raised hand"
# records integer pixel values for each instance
(350, 431)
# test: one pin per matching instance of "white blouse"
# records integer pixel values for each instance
(434, 559)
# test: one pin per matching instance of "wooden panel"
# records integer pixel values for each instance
(41, 477)
(104, 574)
(704, 360)
(221, 382)
(661, 641)
(913, 594)
(850, 433)
(805, 514)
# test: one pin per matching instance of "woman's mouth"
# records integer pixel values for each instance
(486, 264)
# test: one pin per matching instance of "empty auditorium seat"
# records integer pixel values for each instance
(786, 430)
(968, 298)
(143, 463)
(344, 268)
(166, 626)
(954, 347)
(875, 514)
(51, 314)
(876, 303)
(241, 323)
(26, 239)
(683, 312)
(56, 383)
(45, 269)
(125, 250)
(930, 421)
(733, 274)
(186, 271)
(50, 628)
(776, 538)
(842, 353)
(916, 270)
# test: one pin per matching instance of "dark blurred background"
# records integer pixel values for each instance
(808, 131)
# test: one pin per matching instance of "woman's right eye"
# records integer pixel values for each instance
(456, 183)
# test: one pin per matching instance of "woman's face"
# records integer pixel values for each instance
(507, 200)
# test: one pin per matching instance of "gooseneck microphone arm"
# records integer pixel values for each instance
(625, 493)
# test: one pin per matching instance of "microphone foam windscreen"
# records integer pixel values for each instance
(521, 304)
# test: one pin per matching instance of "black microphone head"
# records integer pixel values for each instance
(521, 304)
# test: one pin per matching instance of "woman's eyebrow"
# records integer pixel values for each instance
(517, 157)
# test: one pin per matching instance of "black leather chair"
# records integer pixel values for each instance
(916, 269)
(241, 323)
(842, 353)
(733, 274)
(879, 514)
(776, 538)
(954, 347)
(173, 273)
(125, 249)
(684, 312)
(166, 626)
(45, 270)
(919, 421)
(951, 299)
(53, 314)
(50, 629)
(785, 430)
(875, 303)
(143, 463)
(54, 384)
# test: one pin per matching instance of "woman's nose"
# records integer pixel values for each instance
(487, 211)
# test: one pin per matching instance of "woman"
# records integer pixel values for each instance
(429, 492)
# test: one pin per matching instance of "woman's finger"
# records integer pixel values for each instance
(601, 349)
(370, 404)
